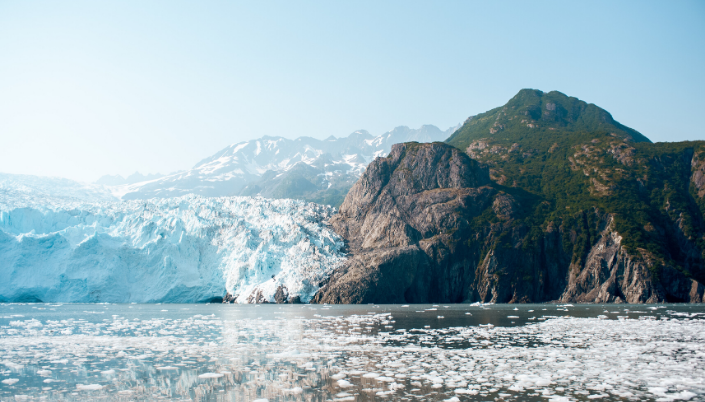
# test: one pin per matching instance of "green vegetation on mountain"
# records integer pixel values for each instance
(532, 116)
(570, 163)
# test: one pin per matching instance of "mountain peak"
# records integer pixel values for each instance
(536, 113)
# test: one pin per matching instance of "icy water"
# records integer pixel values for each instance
(351, 353)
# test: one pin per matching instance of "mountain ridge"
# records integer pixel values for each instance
(265, 166)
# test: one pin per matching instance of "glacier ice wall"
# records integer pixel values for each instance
(185, 249)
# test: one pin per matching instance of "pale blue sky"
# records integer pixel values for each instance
(100, 87)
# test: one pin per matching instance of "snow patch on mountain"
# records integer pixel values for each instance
(184, 249)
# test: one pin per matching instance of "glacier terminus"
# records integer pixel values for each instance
(183, 249)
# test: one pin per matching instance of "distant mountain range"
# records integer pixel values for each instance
(275, 167)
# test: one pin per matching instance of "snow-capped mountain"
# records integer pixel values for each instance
(276, 167)
(185, 249)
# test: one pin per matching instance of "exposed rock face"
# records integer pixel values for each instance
(698, 176)
(426, 224)
(611, 275)
(401, 221)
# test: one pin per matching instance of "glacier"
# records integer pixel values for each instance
(55, 247)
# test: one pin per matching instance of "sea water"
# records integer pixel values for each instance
(541, 352)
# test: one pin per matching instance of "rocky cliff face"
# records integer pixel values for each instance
(610, 274)
(426, 224)
(698, 176)
(401, 221)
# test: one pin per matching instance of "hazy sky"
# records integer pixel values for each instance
(102, 87)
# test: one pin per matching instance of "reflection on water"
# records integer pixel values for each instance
(356, 353)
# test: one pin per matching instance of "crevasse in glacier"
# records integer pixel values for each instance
(185, 249)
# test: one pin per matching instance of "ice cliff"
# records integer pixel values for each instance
(185, 249)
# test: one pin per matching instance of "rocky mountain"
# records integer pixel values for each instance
(276, 167)
(544, 199)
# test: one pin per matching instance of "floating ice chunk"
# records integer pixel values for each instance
(683, 395)
(662, 392)
(11, 365)
(452, 399)
(295, 390)
(210, 375)
(370, 375)
(10, 381)
(261, 400)
(384, 379)
(344, 384)
(512, 316)
(44, 373)
(89, 387)
(542, 382)
(338, 376)
(108, 372)
(166, 368)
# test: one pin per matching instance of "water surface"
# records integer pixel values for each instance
(356, 353)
